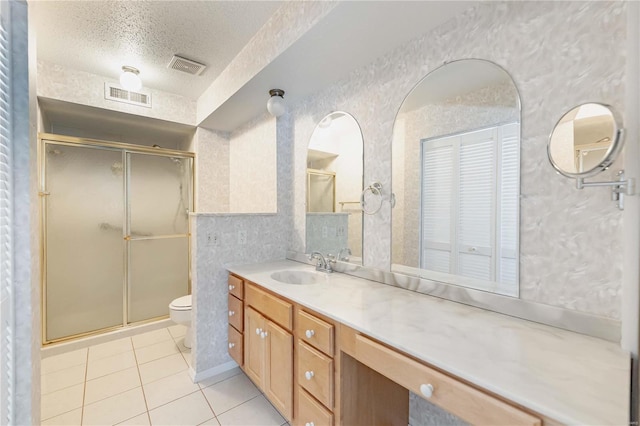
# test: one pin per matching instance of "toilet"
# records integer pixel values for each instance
(180, 313)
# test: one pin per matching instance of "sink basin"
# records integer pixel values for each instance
(299, 277)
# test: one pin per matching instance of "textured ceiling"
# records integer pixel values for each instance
(101, 36)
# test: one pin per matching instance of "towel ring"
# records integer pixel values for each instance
(376, 189)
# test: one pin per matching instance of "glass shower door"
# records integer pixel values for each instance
(159, 201)
(84, 217)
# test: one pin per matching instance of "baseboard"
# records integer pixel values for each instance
(212, 372)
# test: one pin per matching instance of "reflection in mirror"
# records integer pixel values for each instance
(584, 141)
(456, 178)
(334, 184)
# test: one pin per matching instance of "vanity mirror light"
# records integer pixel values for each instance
(334, 184)
(586, 141)
(456, 178)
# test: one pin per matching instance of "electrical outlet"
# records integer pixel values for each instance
(341, 231)
(325, 232)
(242, 237)
(213, 239)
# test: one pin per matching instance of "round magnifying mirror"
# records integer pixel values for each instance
(585, 141)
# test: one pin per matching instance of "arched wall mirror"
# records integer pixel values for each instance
(334, 184)
(456, 178)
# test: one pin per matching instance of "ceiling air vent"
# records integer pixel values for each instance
(114, 92)
(186, 65)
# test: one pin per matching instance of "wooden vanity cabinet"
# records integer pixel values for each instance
(236, 318)
(268, 354)
(342, 376)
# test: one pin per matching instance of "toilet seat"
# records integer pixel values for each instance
(181, 303)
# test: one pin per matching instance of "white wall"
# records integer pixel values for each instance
(252, 167)
(557, 58)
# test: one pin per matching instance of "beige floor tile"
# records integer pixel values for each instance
(156, 351)
(141, 420)
(151, 337)
(168, 389)
(230, 393)
(257, 412)
(111, 384)
(72, 418)
(180, 342)
(110, 348)
(177, 330)
(59, 402)
(163, 367)
(211, 422)
(62, 379)
(63, 361)
(115, 409)
(220, 377)
(189, 410)
(111, 364)
(187, 358)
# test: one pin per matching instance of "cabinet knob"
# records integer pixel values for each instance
(309, 375)
(232, 345)
(309, 424)
(231, 287)
(231, 313)
(309, 333)
(427, 390)
(263, 334)
(258, 331)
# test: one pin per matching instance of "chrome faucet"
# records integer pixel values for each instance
(344, 258)
(324, 263)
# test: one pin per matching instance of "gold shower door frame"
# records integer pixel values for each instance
(45, 139)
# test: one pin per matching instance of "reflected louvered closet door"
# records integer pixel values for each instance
(438, 198)
(477, 195)
(509, 202)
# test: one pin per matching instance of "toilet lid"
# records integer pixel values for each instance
(181, 303)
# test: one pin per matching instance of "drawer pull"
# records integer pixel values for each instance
(232, 313)
(232, 345)
(309, 333)
(258, 331)
(231, 287)
(427, 390)
(263, 334)
(309, 424)
(309, 375)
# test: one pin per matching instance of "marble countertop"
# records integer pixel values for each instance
(566, 376)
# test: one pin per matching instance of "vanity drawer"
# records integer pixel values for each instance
(314, 331)
(315, 373)
(236, 315)
(277, 310)
(312, 412)
(235, 286)
(458, 398)
(235, 345)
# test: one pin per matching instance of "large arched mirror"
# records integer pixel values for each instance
(334, 184)
(456, 178)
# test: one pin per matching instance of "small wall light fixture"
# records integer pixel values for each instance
(130, 79)
(275, 104)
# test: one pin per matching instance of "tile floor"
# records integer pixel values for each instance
(144, 380)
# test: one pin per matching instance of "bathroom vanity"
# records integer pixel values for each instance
(336, 349)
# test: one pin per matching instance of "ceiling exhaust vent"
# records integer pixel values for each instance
(115, 92)
(186, 65)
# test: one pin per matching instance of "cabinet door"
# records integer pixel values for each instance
(278, 384)
(254, 346)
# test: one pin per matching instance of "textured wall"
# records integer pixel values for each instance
(558, 57)
(267, 239)
(252, 167)
(212, 169)
(58, 82)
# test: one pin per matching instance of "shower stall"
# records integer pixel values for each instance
(115, 233)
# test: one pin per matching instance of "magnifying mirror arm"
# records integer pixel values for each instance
(620, 187)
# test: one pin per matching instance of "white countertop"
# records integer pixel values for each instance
(566, 376)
